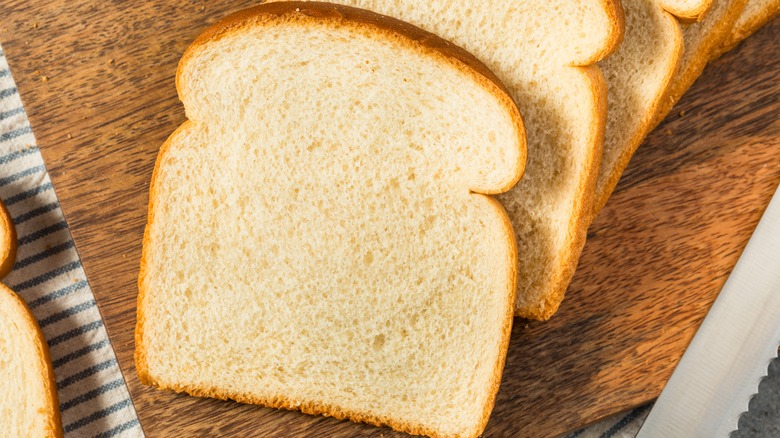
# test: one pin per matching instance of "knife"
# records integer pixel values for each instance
(721, 368)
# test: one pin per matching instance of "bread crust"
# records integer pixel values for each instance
(743, 30)
(140, 356)
(604, 191)
(8, 241)
(435, 46)
(53, 424)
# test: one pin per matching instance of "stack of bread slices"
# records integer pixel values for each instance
(355, 209)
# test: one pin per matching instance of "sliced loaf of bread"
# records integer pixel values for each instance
(28, 392)
(319, 237)
(545, 52)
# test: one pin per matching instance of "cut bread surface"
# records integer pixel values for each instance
(318, 238)
(563, 99)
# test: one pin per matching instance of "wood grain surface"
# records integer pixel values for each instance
(97, 80)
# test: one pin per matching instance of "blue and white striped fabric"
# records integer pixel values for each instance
(94, 400)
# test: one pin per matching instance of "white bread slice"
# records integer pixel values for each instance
(544, 52)
(318, 238)
(756, 14)
(638, 75)
(28, 392)
(700, 40)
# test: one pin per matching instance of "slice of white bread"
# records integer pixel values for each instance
(28, 392)
(756, 14)
(638, 75)
(700, 39)
(318, 234)
(544, 51)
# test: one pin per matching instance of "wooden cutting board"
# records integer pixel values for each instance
(97, 81)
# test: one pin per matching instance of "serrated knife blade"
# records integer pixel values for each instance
(721, 368)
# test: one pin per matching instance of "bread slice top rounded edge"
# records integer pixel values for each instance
(433, 45)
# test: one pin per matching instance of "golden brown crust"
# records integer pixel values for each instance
(52, 408)
(584, 198)
(312, 408)
(7, 242)
(605, 191)
(393, 28)
(456, 56)
(742, 30)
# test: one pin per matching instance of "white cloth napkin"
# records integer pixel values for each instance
(94, 401)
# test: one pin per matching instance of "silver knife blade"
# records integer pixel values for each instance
(721, 368)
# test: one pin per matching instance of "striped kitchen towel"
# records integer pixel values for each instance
(625, 425)
(94, 400)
